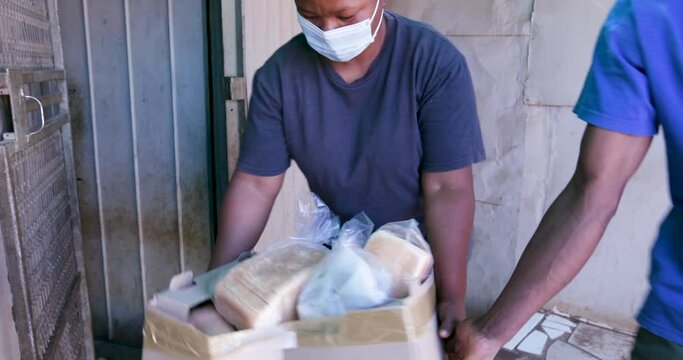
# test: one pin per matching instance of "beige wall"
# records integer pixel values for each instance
(268, 24)
(528, 60)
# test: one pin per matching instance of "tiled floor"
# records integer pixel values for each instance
(554, 337)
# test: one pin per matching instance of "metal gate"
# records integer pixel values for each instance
(39, 220)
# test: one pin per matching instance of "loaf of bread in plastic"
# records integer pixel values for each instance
(263, 290)
(406, 262)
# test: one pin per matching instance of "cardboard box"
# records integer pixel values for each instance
(405, 331)
(168, 335)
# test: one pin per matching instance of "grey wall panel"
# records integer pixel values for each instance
(189, 114)
(113, 136)
(76, 66)
(138, 89)
(152, 118)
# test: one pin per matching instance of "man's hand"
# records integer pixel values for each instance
(472, 344)
(450, 314)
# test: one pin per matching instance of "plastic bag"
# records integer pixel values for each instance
(348, 278)
(315, 221)
(262, 291)
(404, 252)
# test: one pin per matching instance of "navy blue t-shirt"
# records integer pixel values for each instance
(363, 146)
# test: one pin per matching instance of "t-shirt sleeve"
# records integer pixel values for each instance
(616, 94)
(449, 124)
(263, 150)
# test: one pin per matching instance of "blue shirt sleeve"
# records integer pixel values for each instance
(616, 94)
(449, 123)
(264, 149)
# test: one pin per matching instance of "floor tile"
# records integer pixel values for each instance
(561, 320)
(534, 343)
(526, 329)
(563, 351)
(604, 344)
(557, 326)
(553, 333)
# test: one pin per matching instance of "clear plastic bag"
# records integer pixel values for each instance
(315, 221)
(403, 250)
(348, 278)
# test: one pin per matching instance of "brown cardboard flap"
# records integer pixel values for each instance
(407, 321)
(177, 337)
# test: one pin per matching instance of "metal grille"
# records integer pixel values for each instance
(25, 37)
(70, 345)
(44, 224)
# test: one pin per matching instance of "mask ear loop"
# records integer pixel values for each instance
(381, 18)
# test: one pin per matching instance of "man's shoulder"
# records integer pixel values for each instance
(294, 53)
(419, 31)
(424, 39)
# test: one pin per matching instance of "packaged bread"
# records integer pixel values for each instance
(263, 290)
(403, 251)
(349, 278)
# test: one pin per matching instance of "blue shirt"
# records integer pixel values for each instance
(363, 146)
(635, 86)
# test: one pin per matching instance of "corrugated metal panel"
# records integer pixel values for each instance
(140, 139)
(269, 24)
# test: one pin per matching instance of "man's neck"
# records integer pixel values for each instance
(359, 66)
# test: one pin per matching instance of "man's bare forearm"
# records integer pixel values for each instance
(245, 210)
(570, 230)
(566, 238)
(449, 214)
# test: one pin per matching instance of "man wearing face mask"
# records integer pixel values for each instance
(379, 113)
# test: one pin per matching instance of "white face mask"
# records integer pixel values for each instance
(344, 43)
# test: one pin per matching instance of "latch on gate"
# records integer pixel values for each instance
(235, 88)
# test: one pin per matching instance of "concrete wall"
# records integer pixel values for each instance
(528, 60)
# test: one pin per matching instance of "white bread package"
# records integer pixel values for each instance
(263, 291)
(181, 324)
(402, 249)
(349, 278)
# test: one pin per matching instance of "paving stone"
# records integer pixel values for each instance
(602, 343)
(534, 343)
(553, 333)
(522, 333)
(561, 320)
(557, 326)
(560, 350)
(506, 355)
